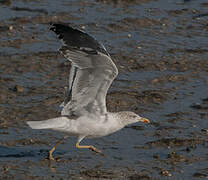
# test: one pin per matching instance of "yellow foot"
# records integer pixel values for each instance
(50, 157)
(88, 147)
(95, 149)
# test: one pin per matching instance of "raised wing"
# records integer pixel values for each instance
(68, 90)
(92, 69)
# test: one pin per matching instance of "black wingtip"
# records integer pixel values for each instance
(59, 26)
(76, 38)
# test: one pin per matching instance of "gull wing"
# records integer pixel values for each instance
(92, 69)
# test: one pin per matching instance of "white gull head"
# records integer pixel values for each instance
(128, 117)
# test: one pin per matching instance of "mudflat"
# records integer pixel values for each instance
(160, 49)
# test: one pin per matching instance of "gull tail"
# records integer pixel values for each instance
(54, 123)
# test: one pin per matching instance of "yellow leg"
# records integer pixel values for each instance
(88, 147)
(53, 149)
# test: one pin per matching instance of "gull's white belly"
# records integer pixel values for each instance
(91, 127)
(94, 129)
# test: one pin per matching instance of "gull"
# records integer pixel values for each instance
(84, 113)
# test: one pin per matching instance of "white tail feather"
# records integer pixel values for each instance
(49, 124)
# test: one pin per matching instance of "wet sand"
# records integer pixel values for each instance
(160, 49)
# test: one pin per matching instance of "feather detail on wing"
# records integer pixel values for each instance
(92, 69)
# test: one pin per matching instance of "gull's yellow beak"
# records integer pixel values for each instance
(144, 120)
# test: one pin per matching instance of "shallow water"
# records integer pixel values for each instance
(160, 49)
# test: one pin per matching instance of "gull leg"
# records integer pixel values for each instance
(53, 149)
(88, 147)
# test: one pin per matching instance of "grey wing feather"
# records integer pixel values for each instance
(90, 87)
(92, 69)
(79, 58)
(68, 90)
